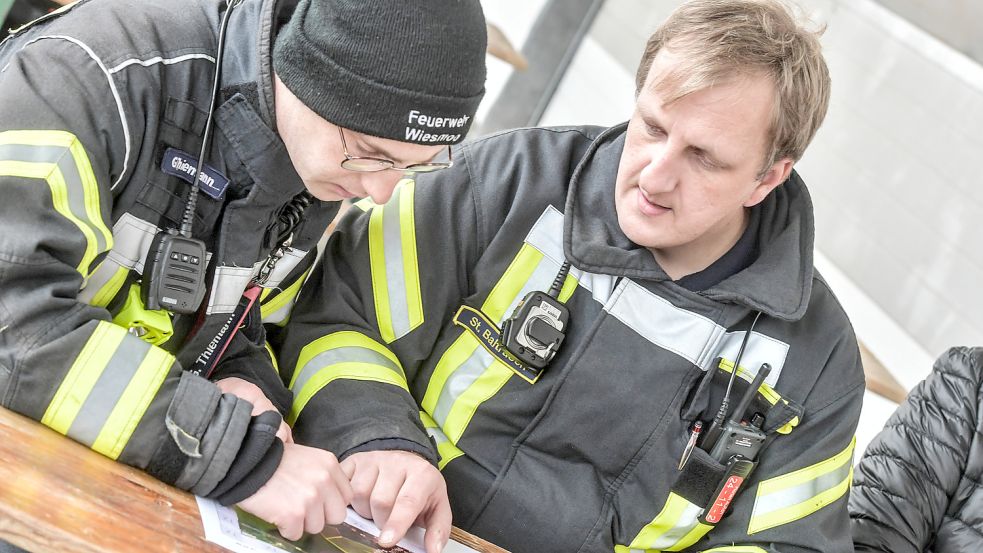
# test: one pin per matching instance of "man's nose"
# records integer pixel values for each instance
(661, 171)
(381, 184)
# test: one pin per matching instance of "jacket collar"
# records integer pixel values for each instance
(778, 282)
(248, 66)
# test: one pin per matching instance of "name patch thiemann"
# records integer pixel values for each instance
(183, 165)
(490, 337)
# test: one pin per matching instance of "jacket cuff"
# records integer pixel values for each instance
(255, 463)
(393, 444)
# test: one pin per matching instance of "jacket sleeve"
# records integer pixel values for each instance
(915, 467)
(372, 311)
(63, 362)
(796, 500)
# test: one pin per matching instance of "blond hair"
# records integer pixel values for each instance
(721, 39)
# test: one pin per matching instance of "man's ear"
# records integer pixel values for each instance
(776, 175)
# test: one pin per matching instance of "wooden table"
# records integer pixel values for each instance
(56, 495)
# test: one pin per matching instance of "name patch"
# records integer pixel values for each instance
(489, 335)
(183, 165)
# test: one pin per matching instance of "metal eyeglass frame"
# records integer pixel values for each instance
(384, 164)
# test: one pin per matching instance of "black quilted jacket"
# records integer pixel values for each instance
(919, 485)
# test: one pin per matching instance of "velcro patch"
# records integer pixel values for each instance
(489, 335)
(183, 165)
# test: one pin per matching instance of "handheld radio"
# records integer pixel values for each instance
(174, 271)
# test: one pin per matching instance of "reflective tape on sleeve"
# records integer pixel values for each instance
(59, 159)
(395, 269)
(795, 495)
(108, 389)
(342, 355)
(277, 309)
(445, 449)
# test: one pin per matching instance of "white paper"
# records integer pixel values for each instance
(222, 527)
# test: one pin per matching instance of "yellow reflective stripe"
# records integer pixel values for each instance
(46, 145)
(459, 351)
(342, 355)
(453, 409)
(766, 391)
(112, 287)
(269, 350)
(394, 265)
(380, 285)
(133, 404)
(569, 287)
(445, 449)
(82, 376)
(283, 298)
(411, 267)
(795, 495)
(511, 283)
(675, 528)
(736, 549)
(265, 294)
(487, 385)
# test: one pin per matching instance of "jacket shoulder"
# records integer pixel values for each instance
(525, 168)
(113, 32)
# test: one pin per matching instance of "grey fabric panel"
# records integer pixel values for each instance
(221, 443)
(189, 414)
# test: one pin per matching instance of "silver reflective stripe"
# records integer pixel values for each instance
(291, 258)
(281, 314)
(350, 354)
(690, 335)
(62, 157)
(108, 390)
(547, 237)
(760, 349)
(438, 436)
(395, 271)
(459, 381)
(803, 492)
(227, 287)
(687, 521)
(132, 237)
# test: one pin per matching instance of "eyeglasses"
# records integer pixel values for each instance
(364, 164)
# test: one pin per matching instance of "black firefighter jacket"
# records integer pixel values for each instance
(102, 109)
(398, 339)
(918, 486)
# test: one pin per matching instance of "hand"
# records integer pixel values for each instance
(307, 491)
(397, 489)
(243, 389)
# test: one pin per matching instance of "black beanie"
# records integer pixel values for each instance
(408, 70)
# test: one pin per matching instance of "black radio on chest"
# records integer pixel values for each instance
(174, 276)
